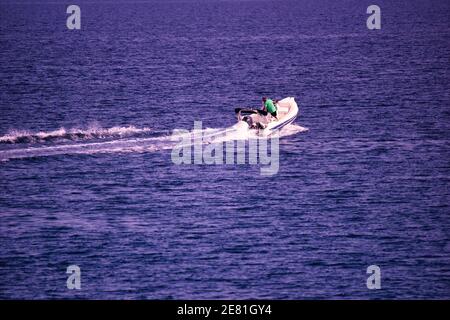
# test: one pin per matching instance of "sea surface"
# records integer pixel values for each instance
(87, 119)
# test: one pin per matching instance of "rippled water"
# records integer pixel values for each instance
(86, 175)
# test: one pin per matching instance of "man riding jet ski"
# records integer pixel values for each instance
(274, 115)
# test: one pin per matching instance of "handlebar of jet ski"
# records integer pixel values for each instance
(262, 112)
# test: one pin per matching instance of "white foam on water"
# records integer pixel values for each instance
(92, 132)
(140, 144)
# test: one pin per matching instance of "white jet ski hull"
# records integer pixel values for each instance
(287, 111)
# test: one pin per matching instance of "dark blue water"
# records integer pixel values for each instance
(86, 175)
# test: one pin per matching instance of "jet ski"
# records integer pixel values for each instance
(263, 122)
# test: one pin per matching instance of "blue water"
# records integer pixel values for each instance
(86, 175)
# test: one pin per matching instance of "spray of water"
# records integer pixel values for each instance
(120, 140)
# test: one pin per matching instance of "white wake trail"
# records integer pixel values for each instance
(141, 144)
(75, 134)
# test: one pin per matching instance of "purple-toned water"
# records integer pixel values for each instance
(86, 175)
